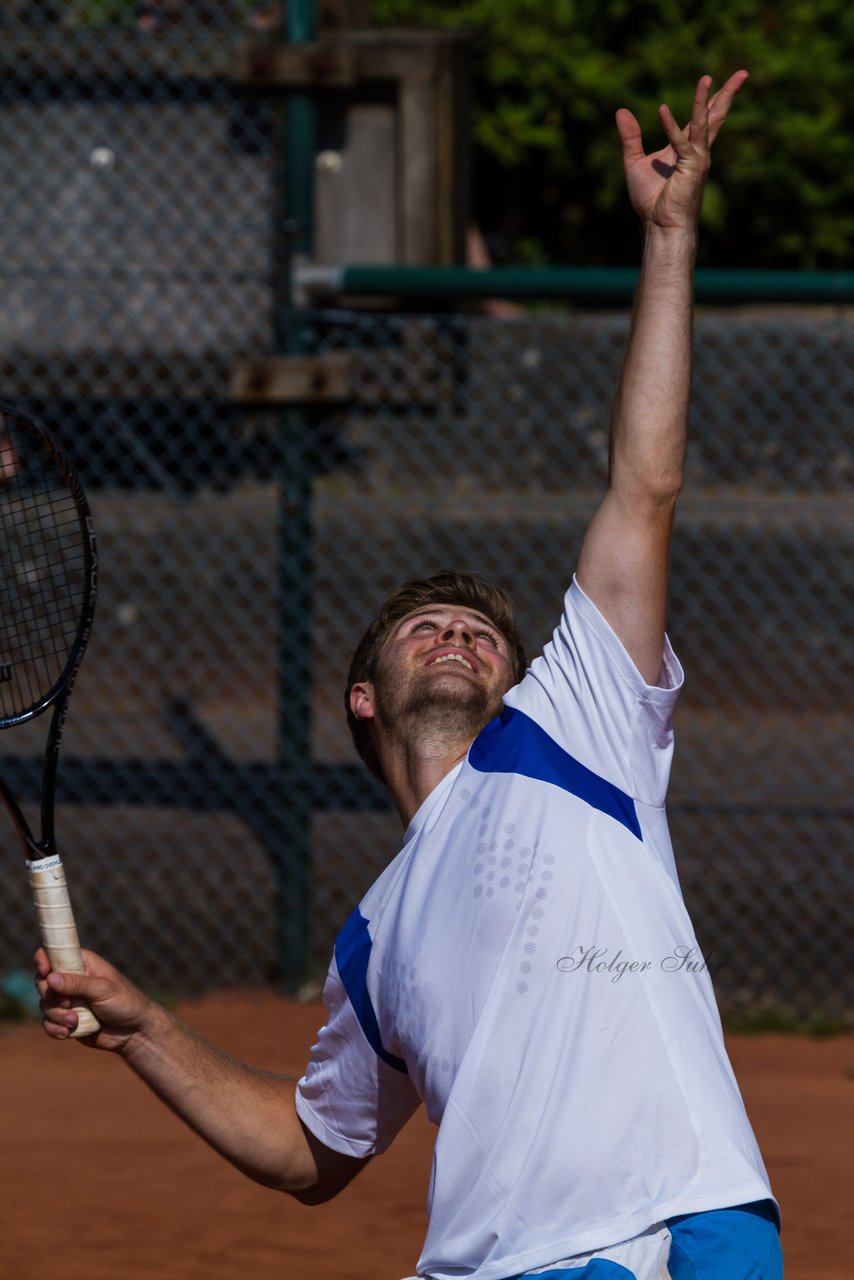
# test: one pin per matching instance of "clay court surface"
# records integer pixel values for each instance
(100, 1181)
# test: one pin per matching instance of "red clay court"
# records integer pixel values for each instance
(102, 1181)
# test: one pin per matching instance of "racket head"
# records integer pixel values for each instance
(48, 569)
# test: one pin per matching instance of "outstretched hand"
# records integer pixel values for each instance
(120, 1007)
(666, 186)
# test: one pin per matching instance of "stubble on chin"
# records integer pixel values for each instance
(452, 708)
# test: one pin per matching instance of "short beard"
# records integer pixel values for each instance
(435, 708)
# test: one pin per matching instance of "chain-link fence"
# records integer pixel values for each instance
(138, 203)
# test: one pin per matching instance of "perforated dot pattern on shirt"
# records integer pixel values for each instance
(500, 867)
(410, 997)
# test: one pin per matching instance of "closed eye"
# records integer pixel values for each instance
(432, 624)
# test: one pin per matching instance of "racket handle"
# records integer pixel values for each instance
(58, 930)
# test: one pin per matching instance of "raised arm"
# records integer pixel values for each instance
(245, 1114)
(623, 563)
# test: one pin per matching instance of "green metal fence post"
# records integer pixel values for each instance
(294, 236)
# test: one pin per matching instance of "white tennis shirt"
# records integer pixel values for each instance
(526, 967)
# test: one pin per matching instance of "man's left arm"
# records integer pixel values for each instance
(623, 565)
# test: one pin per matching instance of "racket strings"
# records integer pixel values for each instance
(43, 584)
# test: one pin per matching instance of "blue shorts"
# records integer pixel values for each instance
(741, 1243)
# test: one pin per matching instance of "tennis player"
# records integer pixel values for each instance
(525, 967)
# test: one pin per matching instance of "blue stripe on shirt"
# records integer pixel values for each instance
(513, 743)
(352, 953)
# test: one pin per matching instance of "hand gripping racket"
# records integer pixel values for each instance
(48, 570)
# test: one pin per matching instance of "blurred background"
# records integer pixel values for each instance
(324, 296)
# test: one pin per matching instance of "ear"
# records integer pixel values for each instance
(362, 700)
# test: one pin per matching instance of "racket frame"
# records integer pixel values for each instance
(42, 855)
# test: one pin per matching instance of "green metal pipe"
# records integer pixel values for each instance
(580, 284)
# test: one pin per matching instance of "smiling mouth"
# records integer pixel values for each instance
(452, 657)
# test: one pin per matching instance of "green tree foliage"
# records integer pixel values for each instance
(549, 75)
(124, 13)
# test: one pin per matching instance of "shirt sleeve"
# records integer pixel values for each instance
(350, 1098)
(589, 696)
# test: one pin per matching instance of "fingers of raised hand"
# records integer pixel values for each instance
(685, 144)
(679, 139)
(695, 135)
(720, 102)
(699, 127)
(707, 116)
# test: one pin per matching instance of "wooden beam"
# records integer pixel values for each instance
(267, 64)
(342, 15)
(321, 380)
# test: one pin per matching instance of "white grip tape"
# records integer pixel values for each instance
(58, 930)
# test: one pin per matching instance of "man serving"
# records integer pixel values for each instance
(589, 1124)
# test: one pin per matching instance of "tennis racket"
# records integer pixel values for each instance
(48, 574)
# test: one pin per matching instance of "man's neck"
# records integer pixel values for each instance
(414, 767)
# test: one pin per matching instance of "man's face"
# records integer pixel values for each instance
(445, 665)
